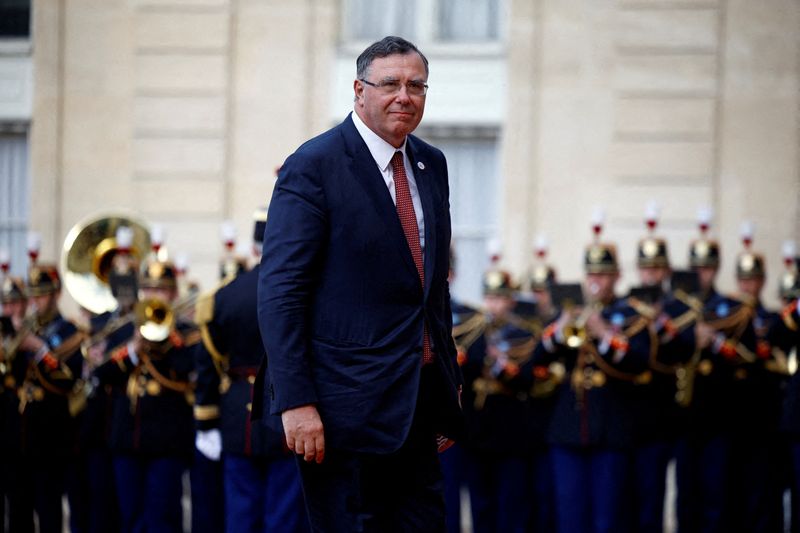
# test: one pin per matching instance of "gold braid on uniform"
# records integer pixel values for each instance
(466, 333)
(204, 313)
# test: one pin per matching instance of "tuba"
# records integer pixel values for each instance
(87, 257)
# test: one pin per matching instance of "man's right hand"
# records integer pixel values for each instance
(304, 432)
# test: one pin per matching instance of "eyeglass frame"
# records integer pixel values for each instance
(381, 84)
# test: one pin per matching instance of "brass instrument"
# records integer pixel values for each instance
(154, 319)
(87, 255)
(11, 345)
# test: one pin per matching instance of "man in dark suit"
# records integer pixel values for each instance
(354, 307)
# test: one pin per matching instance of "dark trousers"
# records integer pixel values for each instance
(92, 493)
(650, 480)
(702, 468)
(39, 487)
(149, 491)
(208, 503)
(499, 491)
(452, 462)
(263, 495)
(397, 492)
(542, 515)
(756, 484)
(591, 491)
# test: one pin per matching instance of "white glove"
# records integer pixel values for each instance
(209, 443)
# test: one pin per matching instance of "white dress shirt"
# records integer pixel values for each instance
(382, 152)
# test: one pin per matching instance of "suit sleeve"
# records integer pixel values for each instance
(294, 240)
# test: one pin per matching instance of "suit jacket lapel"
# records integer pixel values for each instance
(366, 173)
(424, 178)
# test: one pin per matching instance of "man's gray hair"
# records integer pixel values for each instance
(385, 47)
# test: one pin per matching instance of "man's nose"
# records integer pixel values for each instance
(402, 94)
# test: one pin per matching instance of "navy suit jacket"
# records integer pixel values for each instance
(341, 308)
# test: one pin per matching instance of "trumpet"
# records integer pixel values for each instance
(11, 345)
(574, 332)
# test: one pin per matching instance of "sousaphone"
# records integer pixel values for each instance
(87, 256)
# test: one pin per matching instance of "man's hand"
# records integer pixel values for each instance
(304, 432)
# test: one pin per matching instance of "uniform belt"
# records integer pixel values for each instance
(243, 372)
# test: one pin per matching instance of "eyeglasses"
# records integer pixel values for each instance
(390, 86)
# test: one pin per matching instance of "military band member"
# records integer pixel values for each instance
(541, 400)
(262, 484)
(659, 416)
(14, 300)
(703, 457)
(786, 338)
(466, 326)
(604, 349)
(49, 346)
(757, 456)
(498, 444)
(152, 429)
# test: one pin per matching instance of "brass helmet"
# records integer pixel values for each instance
(43, 279)
(704, 252)
(652, 250)
(159, 275)
(231, 264)
(749, 264)
(599, 257)
(542, 275)
(498, 282)
(12, 290)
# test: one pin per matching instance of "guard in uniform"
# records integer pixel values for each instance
(466, 320)
(725, 338)
(498, 443)
(604, 349)
(757, 455)
(261, 480)
(785, 337)
(659, 404)
(49, 345)
(152, 427)
(14, 301)
(541, 401)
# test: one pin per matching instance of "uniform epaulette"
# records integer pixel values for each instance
(204, 308)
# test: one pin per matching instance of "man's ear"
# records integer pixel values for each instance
(358, 91)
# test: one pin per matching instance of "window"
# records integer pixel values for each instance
(15, 18)
(469, 20)
(425, 21)
(370, 20)
(14, 199)
(474, 200)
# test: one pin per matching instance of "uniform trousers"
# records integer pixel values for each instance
(591, 487)
(149, 491)
(263, 495)
(650, 481)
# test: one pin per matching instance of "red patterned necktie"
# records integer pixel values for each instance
(408, 219)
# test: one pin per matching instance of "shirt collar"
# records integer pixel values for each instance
(382, 152)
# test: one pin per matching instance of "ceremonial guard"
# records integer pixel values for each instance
(543, 382)
(660, 404)
(724, 337)
(466, 328)
(152, 429)
(101, 259)
(604, 347)
(45, 360)
(786, 338)
(759, 376)
(262, 484)
(20, 505)
(497, 410)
